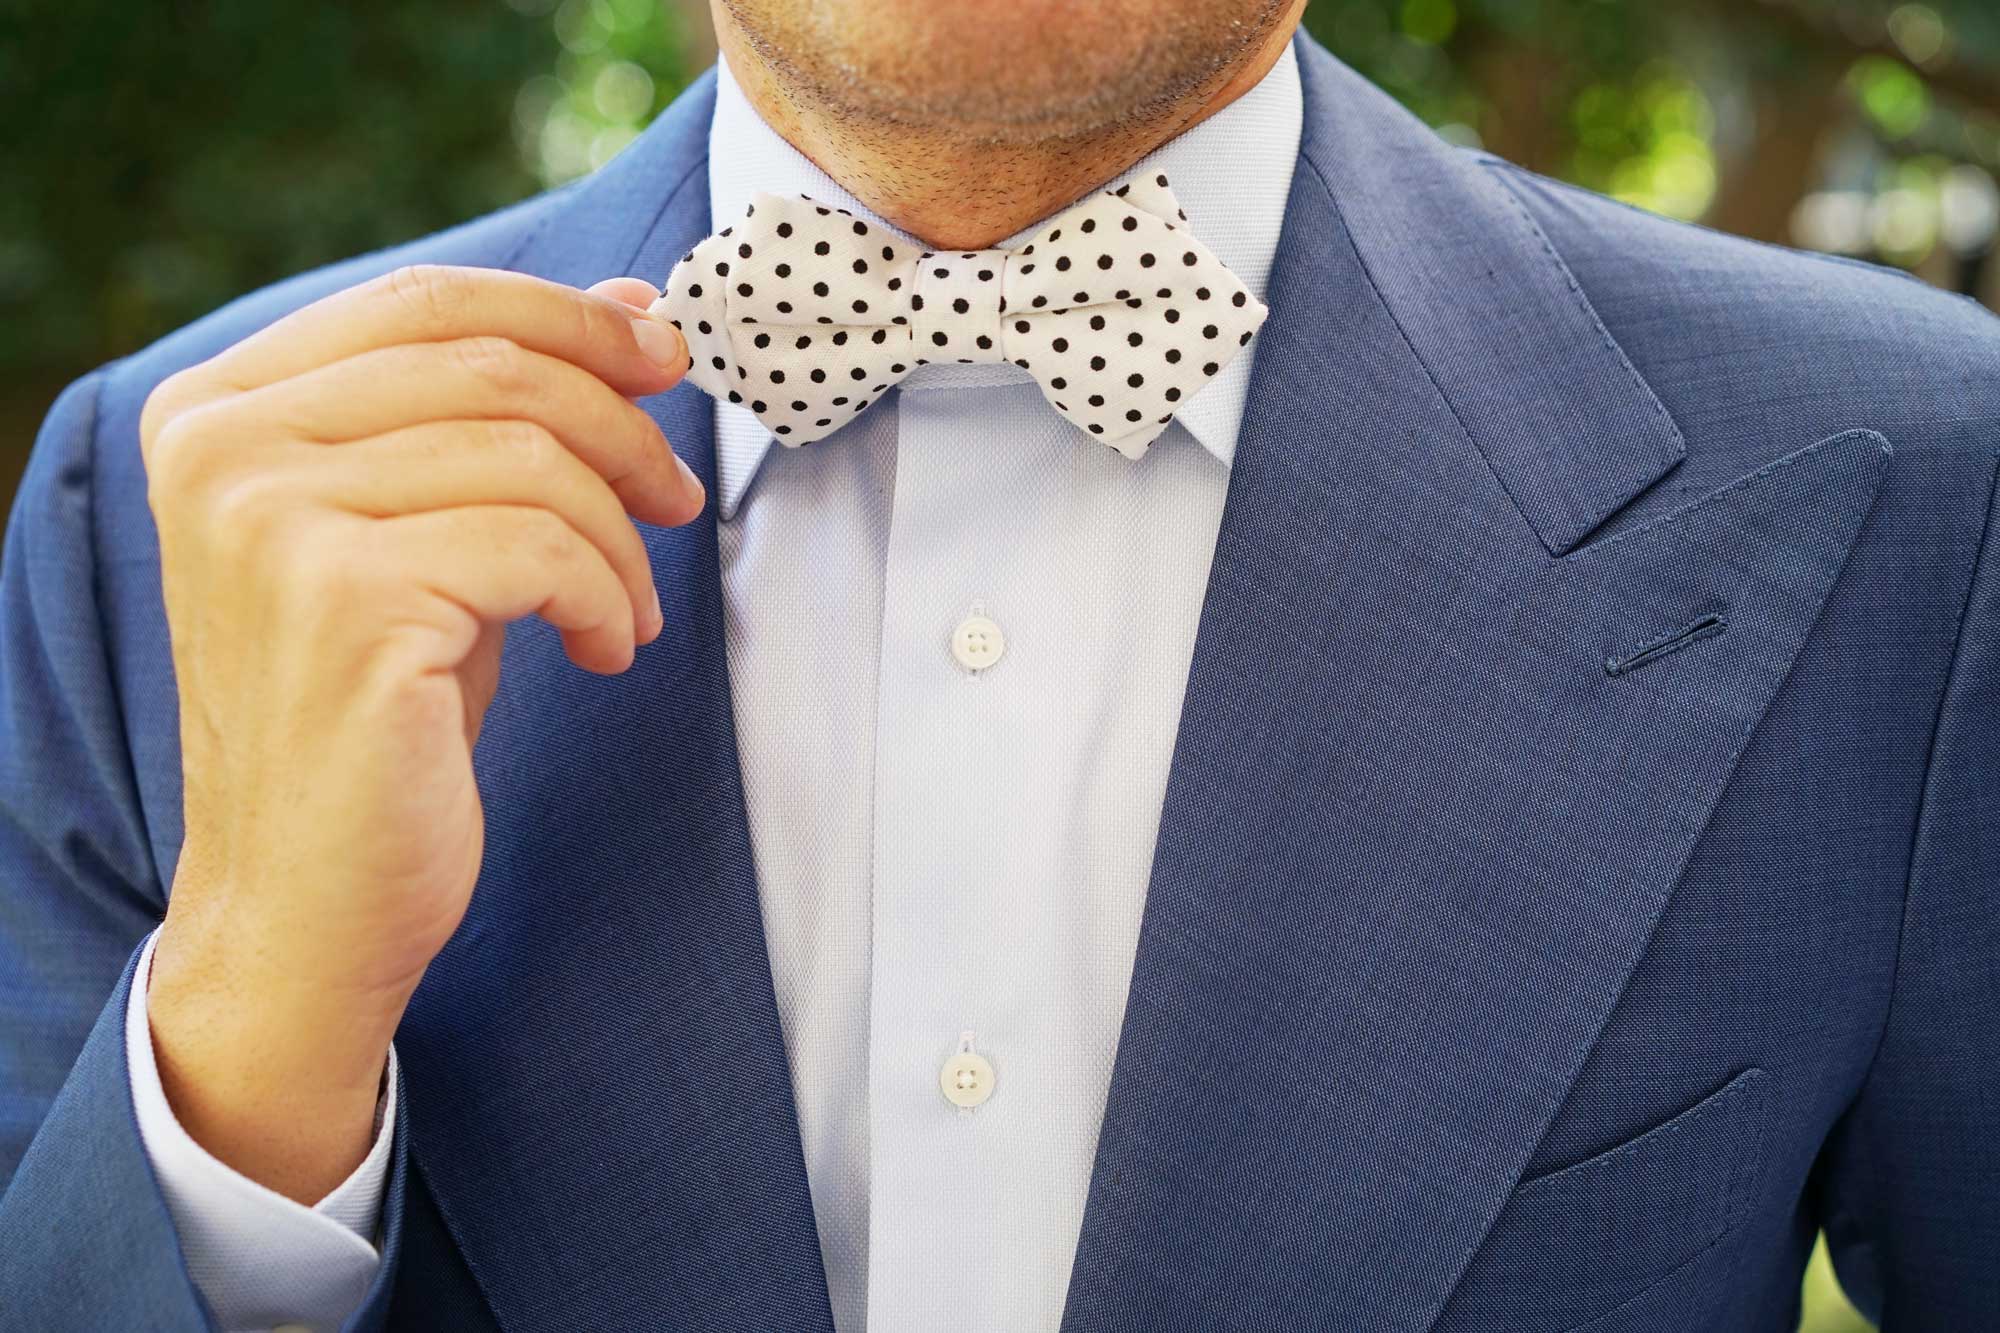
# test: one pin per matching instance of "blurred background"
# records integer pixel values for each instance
(164, 157)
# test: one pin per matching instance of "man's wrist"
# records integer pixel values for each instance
(273, 1076)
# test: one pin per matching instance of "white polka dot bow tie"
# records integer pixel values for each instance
(807, 314)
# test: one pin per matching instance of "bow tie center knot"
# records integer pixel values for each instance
(956, 309)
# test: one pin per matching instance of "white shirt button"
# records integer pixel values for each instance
(967, 1078)
(977, 643)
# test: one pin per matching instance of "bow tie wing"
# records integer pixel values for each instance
(797, 312)
(1122, 315)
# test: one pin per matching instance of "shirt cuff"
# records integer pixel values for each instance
(258, 1258)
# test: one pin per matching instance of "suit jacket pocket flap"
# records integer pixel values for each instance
(1574, 1242)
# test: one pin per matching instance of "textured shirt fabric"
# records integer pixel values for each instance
(940, 851)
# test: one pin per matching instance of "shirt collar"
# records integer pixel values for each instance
(1232, 174)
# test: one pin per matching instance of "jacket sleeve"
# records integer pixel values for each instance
(1912, 1174)
(87, 1241)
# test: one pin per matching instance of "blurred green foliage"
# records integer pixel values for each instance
(163, 157)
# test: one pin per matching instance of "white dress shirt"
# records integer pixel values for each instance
(958, 636)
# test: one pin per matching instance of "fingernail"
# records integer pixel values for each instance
(659, 617)
(660, 341)
(688, 472)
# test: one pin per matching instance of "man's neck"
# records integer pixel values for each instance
(957, 196)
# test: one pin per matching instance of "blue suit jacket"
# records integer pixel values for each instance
(1579, 877)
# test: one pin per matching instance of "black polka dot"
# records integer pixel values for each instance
(694, 290)
(1132, 415)
(984, 341)
(783, 270)
(986, 275)
(762, 340)
(1244, 339)
(860, 307)
(798, 406)
(824, 421)
(820, 289)
(735, 397)
(1058, 383)
(1209, 330)
(718, 363)
(1104, 261)
(1173, 395)
(1097, 400)
(743, 251)
(895, 284)
(840, 401)
(742, 289)
(939, 338)
(804, 341)
(1173, 355)
(822, 248)
(840, 339)
(858, 373)
(916, 303)
(860, 228)
(1120, 294)
(1039, 302)
(722, 268)
(961, 305)
(784, 430)
(757, 406)
(1020, 326)
(1134, 338)
(784, 229)
(1210, 368)
(1201, 293)
(888, 253)
(784, 307)
(860, 266)
(1147, 260)
(1161, 180)
(704, 326)
(1027, 269)
(1172, 316)
(1123, 190)
(1131, 224)
(818, 375)
(1097, 322)
(1135, 379)
(1083, 298)
(1096, 429)
(1190, 259)
(1060, 345)
(882, 335)
(777, 377)
(1097, 363)
(1062, 263)
(1090, 224)
(898, 368)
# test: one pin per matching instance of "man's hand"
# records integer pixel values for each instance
(351, 505)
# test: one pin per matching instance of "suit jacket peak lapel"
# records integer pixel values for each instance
(1416, 835)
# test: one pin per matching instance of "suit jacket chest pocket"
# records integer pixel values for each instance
(1580, 1241)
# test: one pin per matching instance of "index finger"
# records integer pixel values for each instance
(633, 352)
